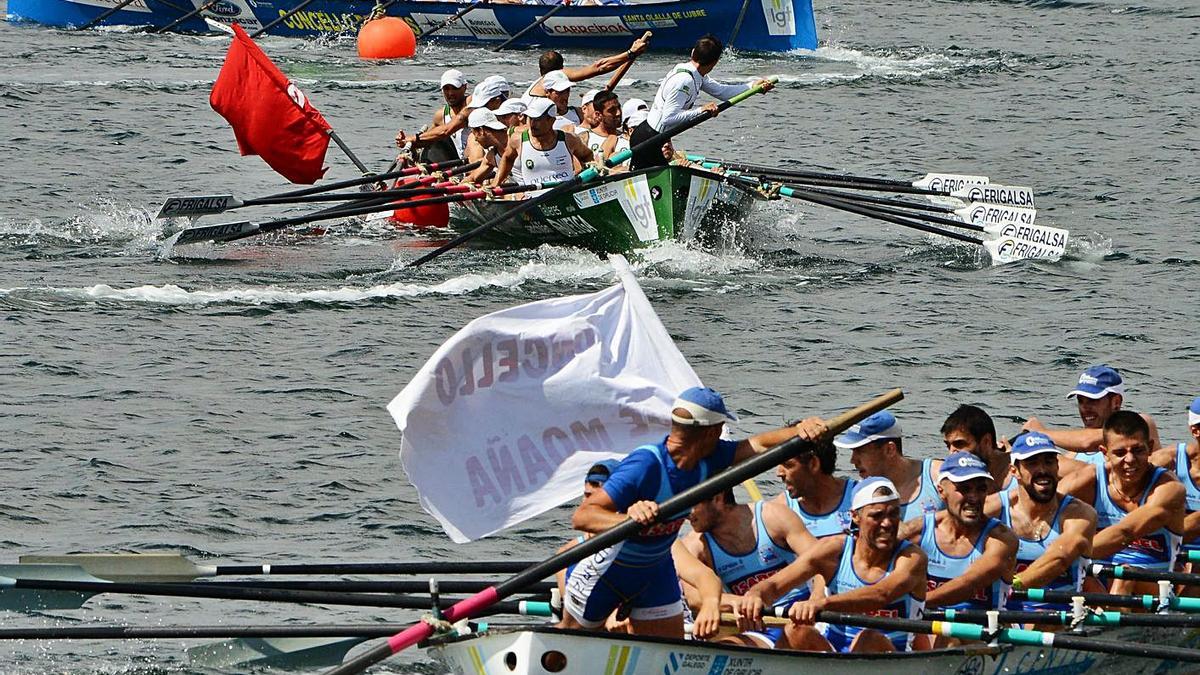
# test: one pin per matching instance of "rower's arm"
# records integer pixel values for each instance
(1075, 542)
(579, 150)
(511, 152)
(820, 558)
(445, 130)
(701, 577)
(810, 429)
(908, 576)
(608, 148)
(784, 526)
(1163, 508)
(1080, 484)
(608, 63)
(996, 563)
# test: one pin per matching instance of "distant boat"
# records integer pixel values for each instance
(751, 25)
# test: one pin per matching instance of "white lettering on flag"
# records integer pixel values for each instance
(504, 420)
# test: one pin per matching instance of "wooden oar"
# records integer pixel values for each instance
(1140, 574)
(521, 33)
(586, 176)
(724, 480)
(1150, 602)
(1092, 618)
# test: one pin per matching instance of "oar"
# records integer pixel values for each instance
(202, 205)
(177, 567)
(554, 10)
(1092, 618)
(614, 535)
(1150, 602)
(461, 13)
(342, 586)
(282, 17)
(105, 14)
(1140, 574)
(586, 176)
(932, 183)
(185, 17)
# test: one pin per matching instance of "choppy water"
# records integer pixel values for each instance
(231, 403)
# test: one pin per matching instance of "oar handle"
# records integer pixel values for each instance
(1140, 574)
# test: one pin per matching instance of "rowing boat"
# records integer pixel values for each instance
(540, 650)
(751, 25)
(620, 212)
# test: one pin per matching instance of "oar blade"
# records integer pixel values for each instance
(980, 213)
(203, 205)
(163, 567)
(949, 182)
(29, 600)
(993, 193)
(217, 233)
(281, 653)
(1025, 242)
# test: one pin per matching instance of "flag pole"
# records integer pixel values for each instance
(349, 153)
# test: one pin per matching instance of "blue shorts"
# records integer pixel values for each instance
(772, 635)
(601, 583)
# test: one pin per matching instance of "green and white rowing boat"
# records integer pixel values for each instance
(619, 212)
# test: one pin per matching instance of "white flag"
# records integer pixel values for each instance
(503, 422)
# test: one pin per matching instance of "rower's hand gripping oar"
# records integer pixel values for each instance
(681, 502)
(588, 175)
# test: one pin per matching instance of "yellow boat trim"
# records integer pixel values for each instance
(477, 660)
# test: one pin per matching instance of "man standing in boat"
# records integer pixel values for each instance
(870, 571)
(675, 101)
(877, 450)
(638, 574)
(544, 154)
(1184, 460)
(971, 555)
(1099, 393)
(1139, 507)
(1054, 532)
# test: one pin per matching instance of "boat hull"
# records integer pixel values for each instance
(619, 213)
(766, 26)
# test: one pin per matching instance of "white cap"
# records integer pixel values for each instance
(589, 95)
(485, 91)
(636, 118)
(865, 492)
(539, 106)
(500, 81)
(631, 106)
(482, 117)
(511, 106)
(556, 80)
(453, 78)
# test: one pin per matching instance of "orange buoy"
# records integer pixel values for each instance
(424, 215)
(386, 38)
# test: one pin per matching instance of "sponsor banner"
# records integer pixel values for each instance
(994, 214)
(135, 6)
(634, 197)
(1005, 195)
(484, 25)
(197, 206)
(700, 195)
(597, 195)
(949, 182)
(585, 26)
(1020, 242)
(1052, 237)
(780, 17)
(230, 12)
(423, 23)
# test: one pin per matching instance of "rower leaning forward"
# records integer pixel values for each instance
(638, 575)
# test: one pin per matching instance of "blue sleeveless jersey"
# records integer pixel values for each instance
(846, 579)
(1156, 550)
(740, 572)
(927, 500)
(828, 524)
(944, 567)
(1093, 458)
(1191, 492)
(1029, 550)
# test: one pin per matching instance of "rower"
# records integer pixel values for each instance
(1139, 507)
(877, 450)
(604, 137)
(488, 93)
(489, 138)
(1099, 393)
(1184, 460)
(811, 491)
(970, 554)
(552, 60)
(544, 154)
(592, 481)
(454, 91)
(744, 544)
(558, 89)
(511, 113)
(870, 571)
(639, 573)
(587, 110)
(675, 101)
(1054, 533)
(970, 429)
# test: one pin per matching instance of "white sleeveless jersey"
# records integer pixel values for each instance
(459, 138)
(594, 142)
(570, 119)
(545, 166)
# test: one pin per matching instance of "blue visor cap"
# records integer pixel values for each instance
(880, 426)
(600, 471)
(1098, 382)
(962, 466)
(1032, 443)
(705, 406)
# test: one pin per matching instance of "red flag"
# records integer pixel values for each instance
(270, 116)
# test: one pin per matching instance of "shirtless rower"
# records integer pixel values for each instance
(604, 138)
(544, 154)
(1054, 532)
(488, 93)
(1184, 460)
(877, 450)
(454, 92)
(675, 101)
(1099, 393)
(744, 544)
(639, 573)
(869, 570)
(1139, 507)
(489, 138)
(971, 555)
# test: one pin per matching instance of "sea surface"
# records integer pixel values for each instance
(228, 402)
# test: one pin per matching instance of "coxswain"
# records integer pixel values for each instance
(869, 571)
(545, 155)
(454, 92)
(675, 101)
(489, 138)
(744, 544)
(1054, 532)
(1139, 506)
(639, 573)
(877, 450)
(971, 555)
(1184, 460)
(1099, 393)
(488, 93)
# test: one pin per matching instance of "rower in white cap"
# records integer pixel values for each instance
(869, 571)
(488, 93)
(489, 137)
(544, 154)
(454, 91)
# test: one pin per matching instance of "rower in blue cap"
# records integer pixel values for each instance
(638, 574)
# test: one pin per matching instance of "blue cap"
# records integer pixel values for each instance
(877, 427)
(864, 492)
(1194, 412)
(962, 466)
(600, 471)
(705, 406)
(1032, 443)
(1098, 382)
